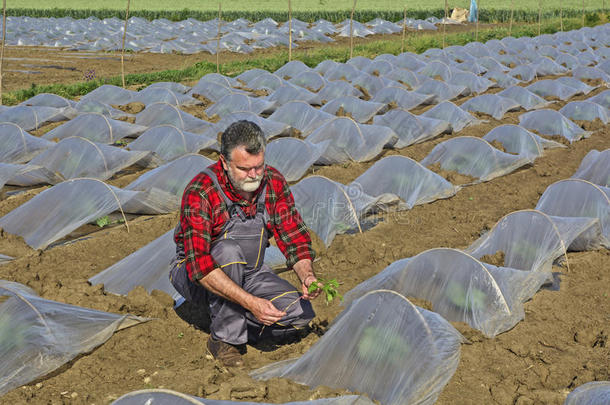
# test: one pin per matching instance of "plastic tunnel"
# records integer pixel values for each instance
(18, 146)
(460, 288)
(351, 141)
(31, 118)
(474, 157)
(386, 347)
(520, 141)
(169, 142)
(551, 122)
(405, 178)
(411, 128)
(38, 336)
(238, 102)
(351, 106)
(301, 116)
(401, 97)
(293, 157)
(585, 111)
(592, 393)
(165, 114)
(270, 128)
(527, 99)
(491, 104)
(447, 111)
(595, 167)
(59, 210)
(95, 127)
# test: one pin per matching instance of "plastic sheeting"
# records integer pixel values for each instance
(293, 157)
(47, 100)
(520, 141)
(551, 122)
(360, 110)
(454, 115)
(591, 393)
(474, 157)
(337, 89)
(595, 167)
(491, 104)
(329, 208)
(168, 397)
(579, 198)
(602, 98)
(79, 157)
(165, 114)
(401, 98)
(385, 346)
(460, 288)
(288, 93)
(27, 175)
(169, 142)
(553, 88)
(59, 210)
(93, 106)
(95, 127)
(441, 91)
(31, 118)
(309, 80)
(38, 336)
(301, 116)
(270, 128)
(527, 99)
(473, 83)
(18, 146)
(585, 111)
(151, 95)
(405, 178)
(411, 128)
(351, 141)
(110, 94)
(238, 102)
(530, 240)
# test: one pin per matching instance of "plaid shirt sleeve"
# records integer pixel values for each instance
(196, 224)
(289, 230)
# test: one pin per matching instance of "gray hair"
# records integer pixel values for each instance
(242, 133)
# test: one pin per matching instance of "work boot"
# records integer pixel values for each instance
(227, 354)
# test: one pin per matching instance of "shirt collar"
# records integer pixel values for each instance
(230, 190)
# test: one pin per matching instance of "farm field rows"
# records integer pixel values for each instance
(561, 344)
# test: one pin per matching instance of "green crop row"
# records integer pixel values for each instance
(485, 15)
(414, 43)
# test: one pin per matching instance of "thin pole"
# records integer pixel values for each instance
(445, 24)
(561, 15)
(583, 13)
(351, 32)
(476, 35)
(289, 31)
(512, 12)
(404, 30)
(2, 50)
(218, 37)
(123, 47)
(539, 15)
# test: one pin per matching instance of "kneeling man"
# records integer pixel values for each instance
(229, 211)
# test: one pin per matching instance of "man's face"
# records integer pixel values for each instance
(245, 170)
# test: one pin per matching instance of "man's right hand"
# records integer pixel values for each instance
(265, 311)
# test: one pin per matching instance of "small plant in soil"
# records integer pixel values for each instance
(328, 287)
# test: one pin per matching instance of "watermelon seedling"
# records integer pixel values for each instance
(328, 287)
(382, 346)
(459, 296)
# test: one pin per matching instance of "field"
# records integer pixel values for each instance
(562, 343)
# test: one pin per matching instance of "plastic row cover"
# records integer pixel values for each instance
(292, 156)
(551, 122)
(460, 288)
(61, 209)
(595, 167)
(168, 397)
(301, 116)
(579, 198)
(31, 118)
(592, 393)
(18, 146)
(385, 346)
(474, 157)
(411, 128)
(95, 127)
(531, 240)
(519, 141)
(37, 336)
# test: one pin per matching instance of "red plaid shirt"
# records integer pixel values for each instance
(204, 213)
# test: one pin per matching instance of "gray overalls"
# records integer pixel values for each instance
(239, 250)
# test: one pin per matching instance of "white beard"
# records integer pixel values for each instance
(248, 185)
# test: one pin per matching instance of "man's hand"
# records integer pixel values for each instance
(265, 311)
(304, 270)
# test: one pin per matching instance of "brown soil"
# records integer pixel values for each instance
(562, 342)
(497, 259)
(452, 177)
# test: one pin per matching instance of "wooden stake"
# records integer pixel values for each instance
(445, 23)
(561, 15)
(583, 13)
(218, 37)
(289, 31)
(539, 15)
(404, 30)
(476, 35)
(351, 32)
(123, 47)
(512, 12)
(2, 49)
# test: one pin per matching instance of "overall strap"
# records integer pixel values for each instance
(231, 206)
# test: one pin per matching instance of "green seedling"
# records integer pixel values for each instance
(458, 296)
(328, 287)
(382, 346)
(103, 221)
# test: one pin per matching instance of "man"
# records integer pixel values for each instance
(229, 211)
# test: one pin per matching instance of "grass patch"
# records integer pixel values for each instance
(414, 43)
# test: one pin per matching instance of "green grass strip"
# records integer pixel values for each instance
(414, 43)
(486, 15)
